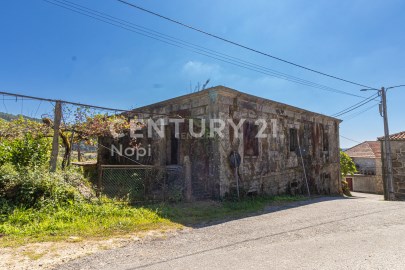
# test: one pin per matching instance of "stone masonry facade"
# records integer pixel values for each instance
(271, 165)
(398, 166)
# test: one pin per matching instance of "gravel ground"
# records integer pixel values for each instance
(363, 232)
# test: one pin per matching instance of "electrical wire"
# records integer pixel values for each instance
(349, 139)
(355, 106)
(354, 115)
(103, 17)
(240, 45)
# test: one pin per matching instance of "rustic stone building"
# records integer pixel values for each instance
(268, 165)
(397, 142)
(367, 157)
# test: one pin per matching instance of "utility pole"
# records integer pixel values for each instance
(389, 183)
(55, 140)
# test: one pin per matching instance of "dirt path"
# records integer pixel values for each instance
(47, 255)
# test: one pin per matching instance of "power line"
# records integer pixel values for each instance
(350, 117)
(240, 45)
(358, 106)
(240, 62)
(349, 139)
(103, 17)
(355, 106)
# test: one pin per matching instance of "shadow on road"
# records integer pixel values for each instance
(201, 214)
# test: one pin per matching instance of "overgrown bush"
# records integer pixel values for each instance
(37, 188)
(25, 152)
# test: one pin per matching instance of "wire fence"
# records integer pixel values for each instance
(141, 183)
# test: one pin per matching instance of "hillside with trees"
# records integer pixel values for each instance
(10, 117)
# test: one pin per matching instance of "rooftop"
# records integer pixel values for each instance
(400, 136)
(223, 89)
(367, 149)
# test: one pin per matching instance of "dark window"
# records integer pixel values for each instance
(293, 139)
(325, 141)
(250, 142)
(174, 151)
(173, 145)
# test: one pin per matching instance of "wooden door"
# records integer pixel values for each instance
(350, 183)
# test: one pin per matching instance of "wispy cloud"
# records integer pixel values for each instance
(199, 70)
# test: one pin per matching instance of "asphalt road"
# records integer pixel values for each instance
(364, 232)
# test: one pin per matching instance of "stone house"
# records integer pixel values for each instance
(397, 142)
(367, 157)
(271, 164)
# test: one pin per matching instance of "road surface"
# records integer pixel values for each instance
(363, 232)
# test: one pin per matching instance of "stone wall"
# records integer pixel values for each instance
(276, 169)
(369, 178)
(270, 167)
(170, 150)
(367, 183)
(398, 167)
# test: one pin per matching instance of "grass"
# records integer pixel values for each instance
(78, 221)
(86, 220)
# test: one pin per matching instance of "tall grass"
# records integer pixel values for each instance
(79, 220)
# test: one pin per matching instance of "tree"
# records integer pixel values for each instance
(347, 165)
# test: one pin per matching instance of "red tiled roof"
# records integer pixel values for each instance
(400, 136)
(368, 149)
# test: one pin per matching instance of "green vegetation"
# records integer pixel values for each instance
(108, 218)
(36, 205)
(25, 152)
(78, 220)
(347, 166)
(10, 117)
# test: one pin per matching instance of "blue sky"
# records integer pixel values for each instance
(52, 52)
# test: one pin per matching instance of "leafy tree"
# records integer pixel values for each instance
(347, 165)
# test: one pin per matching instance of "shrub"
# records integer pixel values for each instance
(5, 152)
(36, 188)
(25, 152)
(29, 151)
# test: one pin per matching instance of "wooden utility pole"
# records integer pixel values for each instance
(55, 140)
(387, 147)
(389, 193)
